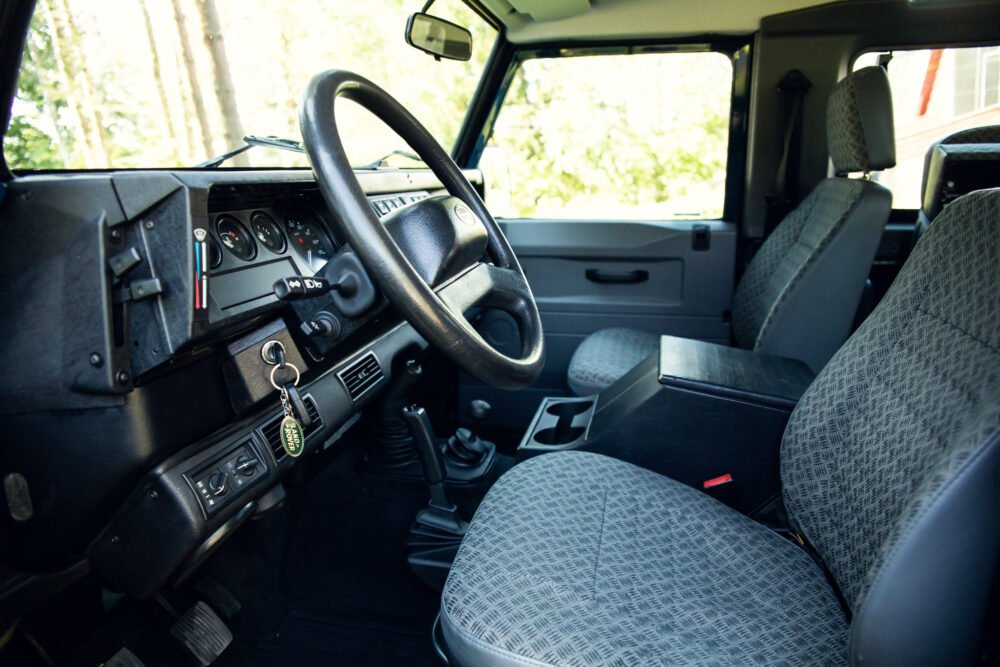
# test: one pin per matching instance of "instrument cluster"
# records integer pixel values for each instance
(270, 234)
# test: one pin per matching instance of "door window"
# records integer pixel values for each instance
(641, 136)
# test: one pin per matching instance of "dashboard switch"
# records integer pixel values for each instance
(218, 483)
(124, 262)
(322, 324)
(246, 465)
(221, 482)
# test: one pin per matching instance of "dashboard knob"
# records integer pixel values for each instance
(246, 465)
(323, 325)
(218, 483)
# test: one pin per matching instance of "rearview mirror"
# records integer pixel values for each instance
(440, 38)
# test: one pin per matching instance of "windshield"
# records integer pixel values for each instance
(172, 83)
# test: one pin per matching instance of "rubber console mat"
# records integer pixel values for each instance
(307, 639)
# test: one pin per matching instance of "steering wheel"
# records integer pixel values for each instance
(435, 311)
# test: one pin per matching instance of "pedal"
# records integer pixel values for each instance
(218, 596)
(202, 632)
(124, 658)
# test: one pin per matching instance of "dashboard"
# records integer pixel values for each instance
(284, 233)
(140, 425)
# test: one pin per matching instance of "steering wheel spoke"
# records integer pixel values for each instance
(487, 286)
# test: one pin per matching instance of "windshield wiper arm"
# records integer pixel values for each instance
(382, 161)
(250, 141)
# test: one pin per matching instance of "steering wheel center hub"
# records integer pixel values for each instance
(440, 237)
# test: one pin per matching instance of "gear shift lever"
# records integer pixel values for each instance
(465, 447)
(430, 457)
(440, 514)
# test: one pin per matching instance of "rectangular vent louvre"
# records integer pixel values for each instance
(226, 197)
(271, 435)
(361, 376)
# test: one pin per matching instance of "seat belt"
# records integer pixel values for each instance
(784, 191)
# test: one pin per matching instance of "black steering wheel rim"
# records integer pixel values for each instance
(439, 320)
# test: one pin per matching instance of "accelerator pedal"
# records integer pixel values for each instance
(202, 632)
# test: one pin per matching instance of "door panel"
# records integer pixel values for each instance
(673, 288)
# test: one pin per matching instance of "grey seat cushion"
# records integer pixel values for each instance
(579, 559)
(606, 355)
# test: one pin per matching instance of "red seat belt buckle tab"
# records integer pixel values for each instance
(717, 481)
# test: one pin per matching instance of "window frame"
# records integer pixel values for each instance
(489, 100)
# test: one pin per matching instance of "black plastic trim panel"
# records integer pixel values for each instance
(163, 523)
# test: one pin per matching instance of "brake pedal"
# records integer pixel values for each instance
(202, 632)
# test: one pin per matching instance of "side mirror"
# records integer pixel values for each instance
(440, 38)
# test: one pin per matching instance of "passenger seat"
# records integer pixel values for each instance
(799, 294)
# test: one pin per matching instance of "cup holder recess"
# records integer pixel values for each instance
(563, 432)
(558, 436)
(568, 409)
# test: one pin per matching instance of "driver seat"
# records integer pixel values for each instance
(890, 467)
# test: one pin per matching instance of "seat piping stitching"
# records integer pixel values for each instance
(921, 308)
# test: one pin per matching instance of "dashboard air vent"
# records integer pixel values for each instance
(271, 435)
(361, 376)
(231, 197)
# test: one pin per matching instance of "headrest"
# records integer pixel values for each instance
(932, 184)
(859, 129)
(954, 170)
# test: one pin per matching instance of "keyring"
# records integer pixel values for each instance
(287, 365)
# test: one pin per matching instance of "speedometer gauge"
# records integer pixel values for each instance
(309, 240)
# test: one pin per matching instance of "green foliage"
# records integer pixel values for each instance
(26, 144)
(643, 136)
(30, 141)
(274, 47)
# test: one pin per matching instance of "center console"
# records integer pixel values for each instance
(706, 415)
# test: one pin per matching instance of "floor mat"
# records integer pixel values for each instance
(307, 639)
(346, 551)
(345, 593)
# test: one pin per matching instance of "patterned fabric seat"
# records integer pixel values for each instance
(579, 559)
(799, 295)
(890, 468)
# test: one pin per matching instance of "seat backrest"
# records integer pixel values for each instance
(799, 294)
(960, 163)
(890, 463)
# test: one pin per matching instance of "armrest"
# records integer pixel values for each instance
(732, 372)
